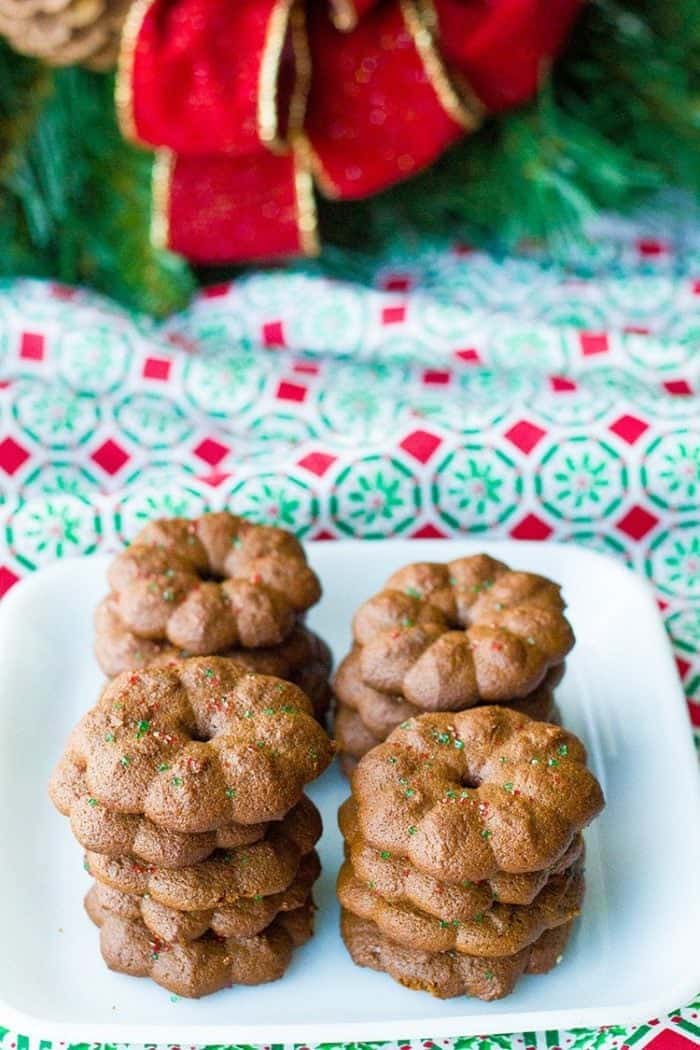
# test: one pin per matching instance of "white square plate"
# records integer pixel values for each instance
(634, 954)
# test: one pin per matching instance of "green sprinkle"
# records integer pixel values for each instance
(125, 760)
(534, 761)
(552, 761)
(269, 711)
(508, 786)
(403, 780)
(93, 802)
(313, 753)
(442, 738)
(530, 640)
(260, 743)
(498, 606)
(488, 975)
(169, 573)
(563, 750)
(162, 767)
(247, 714)
(451, 793)
(169, 595)
(407, 622)
(413, 830)
(257, 897)
(413, 592)
(236, 542)
(392, 760)
(86, 865)
(142, 728)
(407, 724)
(370, 885)
(465, 793)
(174, 998)
(385, 854)
(230, 792)
(503, 760)
(479, 917)
(444, 925)
(155, 955)
(288, 709)
(459, 744)
(209, 672)
(409, 792)
(486, 834)
(452, 581)
(466, 883)
(109, 737)
(176, 781)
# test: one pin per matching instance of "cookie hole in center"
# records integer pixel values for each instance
(471, 782)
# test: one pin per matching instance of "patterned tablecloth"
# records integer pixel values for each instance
(442, 391)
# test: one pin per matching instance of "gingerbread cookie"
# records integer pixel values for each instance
(197, 745)
(213, 583)
(502, 929)
(449, 974)
(394, 879)
(208, 964)
(246, 917)
(477, 792)
(445, 637)
(302, 658)
(265, 867)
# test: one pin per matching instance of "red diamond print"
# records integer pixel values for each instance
(110, 456)
(12, 455)
(181, 341)
(324, 534)
(468, 354)
(662, 604)
(637, 522)
(305, 368)
(678, 387)
(594, 343)
(273, 335)
(393, 315)
(629, 428)
(63, 291)
(463, 249)
(215, 291)
(671, 1039)
(420, 444)
(4, 383)
(694, 709)
(214, 479)
(211, 451)
(397, 282)
(291, 391)
(531, 528)
(695, 287)
(157, 368)
(317, 463)
(650, 246)
(428, 532)
(7, 579)
(683, 666)
(525, 435)
(562, 385)
(436, 377)
(31, 346)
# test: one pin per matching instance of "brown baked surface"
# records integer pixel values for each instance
(244, 918)
(263, 868)
(469, 794)
(213, 583)
(502, 929)
(196, 745)
(208, 964)
(302, 658)
(448, 636)
(449, 974)
(394, 879)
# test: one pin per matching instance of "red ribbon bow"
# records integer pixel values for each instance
(249, 101)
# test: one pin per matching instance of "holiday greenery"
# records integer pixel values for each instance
(619, 118)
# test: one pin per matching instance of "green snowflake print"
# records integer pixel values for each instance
(572, 311)
(375, 497)
(60, 479)
(673, 560)
(337, 320)
(53, 415)
(588, 399)
(476, 487)
(217, 328)
(581, 479)
(153, 421)
(536, 347)
(400, 350)
(602, 543)
(684, 629)
(94, 358)
(359, 405)
(670, 471)
(480, 399)
(672, 351)
(276, 499)
(277, 433)
(144, 502)
(221, 385)
(42, 531)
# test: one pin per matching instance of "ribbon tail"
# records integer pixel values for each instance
(219, 209)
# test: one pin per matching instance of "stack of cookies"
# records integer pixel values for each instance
(464, 857)
(217, 584)
(184, 785)
(447, 637)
